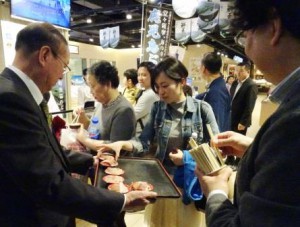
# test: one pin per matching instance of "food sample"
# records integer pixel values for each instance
(106, 156)
(109, 162)
(141, 186)
(111, 179)
(119, 187)
(114, 171)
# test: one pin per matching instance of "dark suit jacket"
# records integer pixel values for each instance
(36, 188)
(267, 188)
(218, 97)
(243, 103)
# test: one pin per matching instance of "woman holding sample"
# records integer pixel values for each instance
(173, 120)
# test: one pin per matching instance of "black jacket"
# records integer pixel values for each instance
(36, 188)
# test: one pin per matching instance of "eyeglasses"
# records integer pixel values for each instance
(240, 39)
(66, 67)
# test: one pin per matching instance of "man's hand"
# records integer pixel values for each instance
(137, 200)
(218, 180)
(232, 143)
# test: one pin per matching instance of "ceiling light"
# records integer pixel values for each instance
(89, 20)
(198, 45)
(132, 46)
(91, 39)
(128, 16)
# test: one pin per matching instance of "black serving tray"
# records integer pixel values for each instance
(143, 169)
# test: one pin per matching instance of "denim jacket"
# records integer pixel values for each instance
(157, 129)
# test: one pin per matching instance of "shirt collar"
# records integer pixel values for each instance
(32, 87)
(279, 93)
(243, 80)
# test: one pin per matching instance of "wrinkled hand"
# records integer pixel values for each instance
(232, 143)
(137, 200)
(176, 157)
(116, 147)
(79, 113)
(218, 180)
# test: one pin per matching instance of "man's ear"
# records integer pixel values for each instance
(183, 81)
(44, 55)
(276, 30)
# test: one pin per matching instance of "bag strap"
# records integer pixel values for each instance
(138, 95)
(141, 123)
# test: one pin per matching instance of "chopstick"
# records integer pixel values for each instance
(75, 120)
(217, 150)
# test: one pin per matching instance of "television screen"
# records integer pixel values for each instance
(56, 12)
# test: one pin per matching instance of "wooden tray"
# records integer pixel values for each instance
(143, 169)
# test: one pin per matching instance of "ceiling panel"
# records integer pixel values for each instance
(109, 13)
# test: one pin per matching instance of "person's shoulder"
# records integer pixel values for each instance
(124, 103)
(150, 95)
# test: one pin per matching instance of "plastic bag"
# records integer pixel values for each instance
(69, 141)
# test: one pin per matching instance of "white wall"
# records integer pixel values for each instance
(124, 58)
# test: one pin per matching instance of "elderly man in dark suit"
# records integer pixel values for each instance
(268, 181)
(36, 186)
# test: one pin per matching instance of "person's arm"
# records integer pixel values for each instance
(80, 162)
(116, 147)
(208, 118)
(267, 181)
(138, 145)
(232, 143)
(82, 137)
(34, 164)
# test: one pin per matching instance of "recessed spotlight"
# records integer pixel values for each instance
(89, 20)
(132, 46)
(91, 39)
(128, 16)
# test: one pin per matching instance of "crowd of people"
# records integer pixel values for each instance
(36, 183)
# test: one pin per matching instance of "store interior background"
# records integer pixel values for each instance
(84, 55)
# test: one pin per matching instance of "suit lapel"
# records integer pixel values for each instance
(241, 88)
(52, 140)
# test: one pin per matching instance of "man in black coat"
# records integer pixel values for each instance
(267, 185)
(244, 93)
(36, 188)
